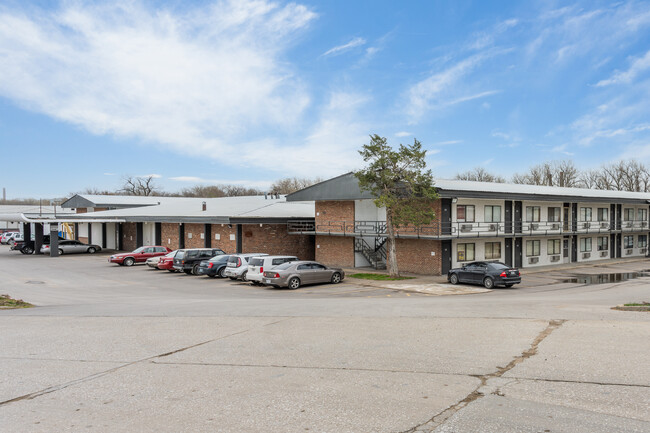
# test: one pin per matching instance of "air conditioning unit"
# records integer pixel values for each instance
(466, 228)
(604, 225)
(586, 255)
(533, 226)
(555, 258)
(628, 224)
(644, 224)
(629, 252)
(643, 251)
(555, 226)
(492, 227)
(586, 225)
(603, 254)
(533, 260)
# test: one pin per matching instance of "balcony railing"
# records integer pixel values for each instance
(467, 229)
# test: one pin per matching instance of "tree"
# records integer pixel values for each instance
(550, 173)
(479, 174)
(398, 181)
(140, 186)
(212, 191)
(292, 184)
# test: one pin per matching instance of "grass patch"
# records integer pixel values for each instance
(636, 304)
(7, 302)
(378, 277)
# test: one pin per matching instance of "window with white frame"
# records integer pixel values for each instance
(465, 252)
(585, 245)
(628, 214)
(628, 241)
(603, 214)
(642, 214)
(554, 214)
(533, 213)
(643, 241)
(553, 247)
(465, 213)
(492, 250)
(585, 214)
(492, 214)
(532, 248)
(603, 243)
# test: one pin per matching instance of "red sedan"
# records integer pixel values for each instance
(167, 262)
(139, 255)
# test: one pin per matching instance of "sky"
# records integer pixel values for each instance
(247, 92)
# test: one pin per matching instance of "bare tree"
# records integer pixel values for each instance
(550, 173)
(479, 174)
(292, 184)
(140, 186)
(212, 191)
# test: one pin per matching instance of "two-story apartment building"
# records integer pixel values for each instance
(520, 225)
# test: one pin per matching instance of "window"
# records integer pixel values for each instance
(532, 213)
(603, 214)
(585, 245)
(161, 250)
(628, 214)
(553, 247)
(492, 214)
(554, 214)
(603, 243)
(628, 241)
(585, 214)
(465, 213)
(642, 214)
(532, 248)
(643, 241)
(465, 252)
(492, 250)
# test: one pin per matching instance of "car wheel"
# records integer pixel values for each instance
(488, 282)
(336, 278)
(91, 250)
(60, 252)
(195, 270)
(221, 271)
(27, 250)
(294, 283)
(453, 279)
(243, 276)
(129, 261)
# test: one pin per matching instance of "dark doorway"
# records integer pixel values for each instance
(518, 216)
(445, 217)
(138, 235)
(574, 249)
(158, 234)
(508, 250)
(507, 215)
(519, 257)
(446, 257)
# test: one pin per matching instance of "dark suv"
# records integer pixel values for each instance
(188, 261)
(27, 247)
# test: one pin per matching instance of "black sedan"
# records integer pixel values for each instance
(213, 267)
(489, 274)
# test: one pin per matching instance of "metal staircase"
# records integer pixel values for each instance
(376, 256)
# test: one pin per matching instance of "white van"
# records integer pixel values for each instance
(237, 266)
(257, 265)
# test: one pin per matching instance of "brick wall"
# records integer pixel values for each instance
(129, 239)
(273, 239)
(330, 215)
(335, 251)
(224, 242)
(414, 255)
(169, 235)
(196, 230)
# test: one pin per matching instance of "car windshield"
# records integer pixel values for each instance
(139, 250)
(256, 262)
(283, 266)
(170, 254)
(219, 259)
(179, 255)
(498, 266)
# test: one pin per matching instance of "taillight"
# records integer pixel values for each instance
(261, 269)
(238, 262)
(210, 265)
(503, 274)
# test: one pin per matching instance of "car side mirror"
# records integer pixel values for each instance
(463, 268)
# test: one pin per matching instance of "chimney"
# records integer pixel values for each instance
(204, 206)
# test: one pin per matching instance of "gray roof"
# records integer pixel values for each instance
(112, 201)
(346, 187)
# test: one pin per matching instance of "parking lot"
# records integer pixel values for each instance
(112, 348)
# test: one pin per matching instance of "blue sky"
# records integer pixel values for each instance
(248, 92)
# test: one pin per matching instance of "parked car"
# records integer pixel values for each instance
(215, 267)
(7, 237)
(296, 274)
(256, 266)
(152, 262)
(139, 255)
(166, 262)
(72, 247)
(188, 262)
(237, 266)
(489, 274)
(27, 247)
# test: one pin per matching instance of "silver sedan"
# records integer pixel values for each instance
(295, 274)
(72, 247)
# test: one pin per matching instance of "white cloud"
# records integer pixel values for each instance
(153, 176)
(623, 77)
(446, 143)
(109, 174)
(193, 81)
(356, 42)
(403, 134)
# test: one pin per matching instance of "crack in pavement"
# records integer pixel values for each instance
(59, 387)
(476, 394)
